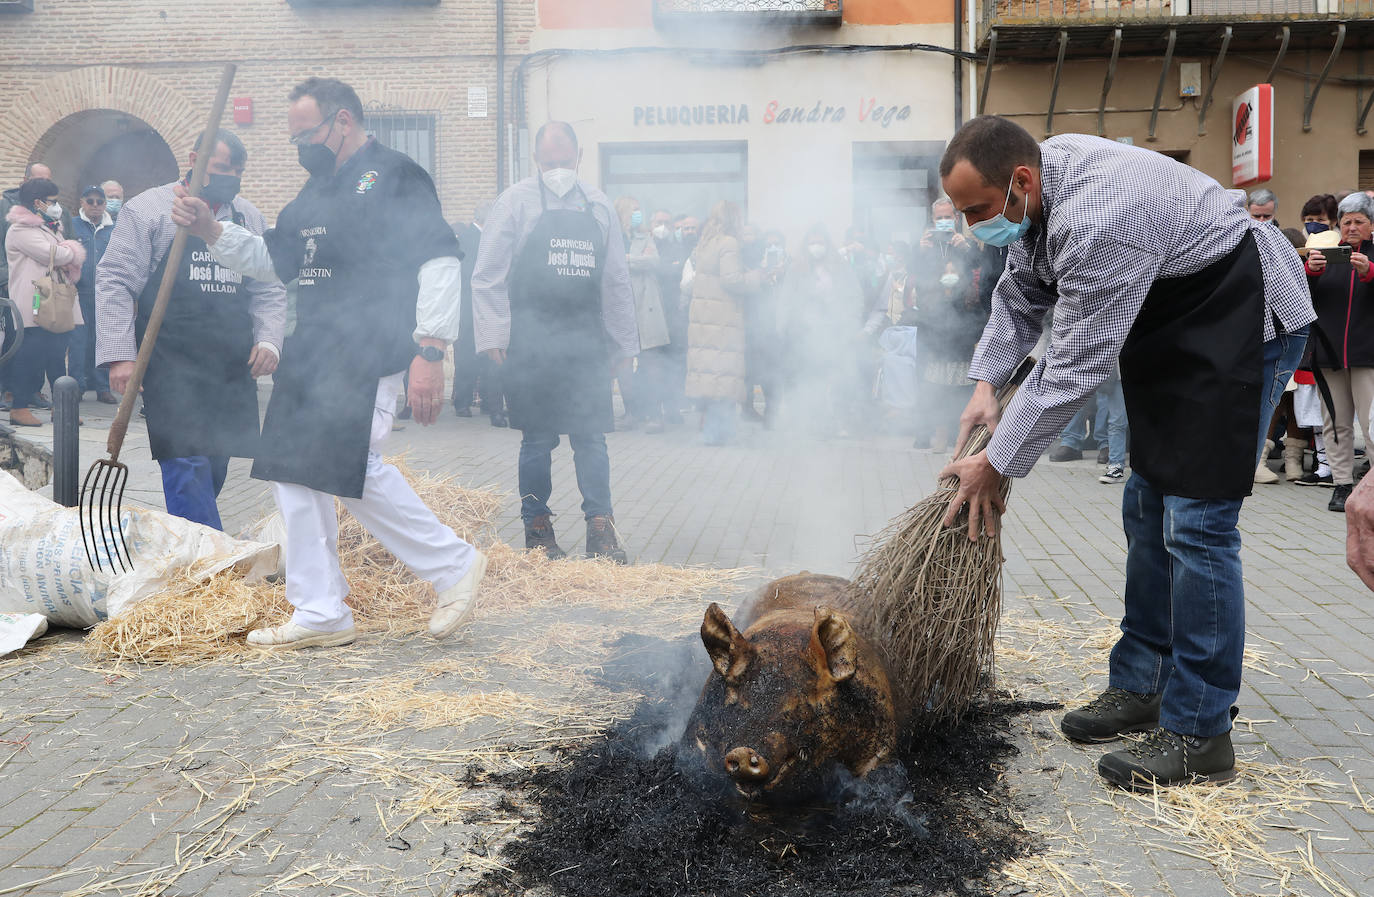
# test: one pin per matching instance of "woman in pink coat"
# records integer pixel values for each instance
(33, 238)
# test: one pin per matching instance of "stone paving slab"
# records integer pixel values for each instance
(87, 779)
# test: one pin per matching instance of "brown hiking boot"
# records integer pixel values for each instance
(539, 534)
(601, 540)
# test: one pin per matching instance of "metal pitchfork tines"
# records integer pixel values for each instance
(100, 508)
(102, 497)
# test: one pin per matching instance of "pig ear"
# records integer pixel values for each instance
(834, 643)
(730, 651)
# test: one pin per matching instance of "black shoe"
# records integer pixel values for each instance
(1311, 479)
(404, 414)
(1102, 455)
(601, 540)
(465, 411)
(499, 420)
(1062, 452)
(1163, 758)
(1110, 715)
(1338, 497)
(539, 534)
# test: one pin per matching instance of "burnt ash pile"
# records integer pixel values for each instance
(611, 821)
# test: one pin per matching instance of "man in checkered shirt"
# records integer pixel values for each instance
(1152, 262)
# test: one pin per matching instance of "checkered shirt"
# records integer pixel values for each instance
(1117, 218)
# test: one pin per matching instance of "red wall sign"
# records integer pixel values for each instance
(243, 110)
(1252, 136)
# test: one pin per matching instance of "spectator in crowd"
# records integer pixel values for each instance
(824, 312)
(646, 388)
(114, 197)
(92, 226)
(552, 304)
(1261, 204)
(891, 302)
(219, 334)
(751, 259)
(1111, 398)
(762, 313)
(1319, 213)
(673, 357)
(949, 319)
(474, 371)
(940, 243)
(32, 242)
(867, 265)
(688, 231)
(715, 335)
(8, 200)
(1343, 342)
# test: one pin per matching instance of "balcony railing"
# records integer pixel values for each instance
(817, 12)
(1015, 12)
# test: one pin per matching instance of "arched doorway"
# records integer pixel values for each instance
(97, 145)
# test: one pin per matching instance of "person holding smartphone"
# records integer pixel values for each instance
(1342, 345)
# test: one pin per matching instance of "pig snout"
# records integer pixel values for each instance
(746, 766)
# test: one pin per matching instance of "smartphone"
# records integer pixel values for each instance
(1336, 255)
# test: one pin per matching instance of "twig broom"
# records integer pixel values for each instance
(933, 598)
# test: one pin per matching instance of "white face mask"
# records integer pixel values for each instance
(54, 212)
(949, 280)
(660, 232)
(817, 250)
(560, 180)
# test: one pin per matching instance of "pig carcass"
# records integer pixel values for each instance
(795, 693)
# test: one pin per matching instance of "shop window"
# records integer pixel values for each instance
(894, 184)
(683, 177)
(412, 133)
(1366, 170)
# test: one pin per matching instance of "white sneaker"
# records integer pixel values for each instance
(290, 635)
(458, 600)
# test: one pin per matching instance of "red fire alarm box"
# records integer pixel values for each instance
(243, 110)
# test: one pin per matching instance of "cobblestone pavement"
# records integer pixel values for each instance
(218, 778)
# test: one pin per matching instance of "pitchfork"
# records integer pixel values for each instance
(102, 492)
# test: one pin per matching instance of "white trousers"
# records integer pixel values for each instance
(389, 510)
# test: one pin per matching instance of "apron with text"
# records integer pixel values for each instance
(198, 393)
(557, 374)
(1192, 373)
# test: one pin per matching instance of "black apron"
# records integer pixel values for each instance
(198, 393)
(557, 374)
(354, 241)
(1192, 372)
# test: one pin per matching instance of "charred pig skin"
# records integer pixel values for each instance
(796, 694)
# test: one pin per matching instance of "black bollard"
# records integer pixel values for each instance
(66, 441)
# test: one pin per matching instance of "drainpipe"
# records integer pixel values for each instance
(500, 96)
(958, 64)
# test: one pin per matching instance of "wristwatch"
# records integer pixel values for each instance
(430, 353)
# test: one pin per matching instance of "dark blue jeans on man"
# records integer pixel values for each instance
(81, 364)
(191, 485)
(1183, 632)
(591, 460)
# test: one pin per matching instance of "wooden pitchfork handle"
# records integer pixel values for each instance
(120, 427)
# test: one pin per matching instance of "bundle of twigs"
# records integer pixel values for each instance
(932, 598)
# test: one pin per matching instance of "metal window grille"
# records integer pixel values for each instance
(412, 133)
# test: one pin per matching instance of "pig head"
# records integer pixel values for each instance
(795, 695)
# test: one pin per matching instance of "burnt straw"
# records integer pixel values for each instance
(609, 820)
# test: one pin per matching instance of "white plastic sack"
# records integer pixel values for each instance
(1307, 405)
(898, 376)
(43, 566)
(16, 630)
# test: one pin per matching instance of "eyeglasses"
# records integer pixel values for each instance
(304, 136)
(93, 201)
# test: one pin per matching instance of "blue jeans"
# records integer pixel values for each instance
(1111, 417)
(1183, 632)
(718, 426)
(590, 459)
(1075, 434)
(190, 486)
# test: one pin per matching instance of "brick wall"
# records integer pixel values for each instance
(160, 61)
